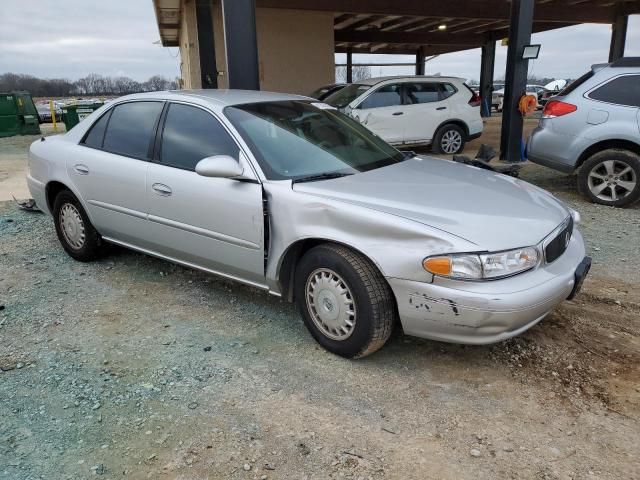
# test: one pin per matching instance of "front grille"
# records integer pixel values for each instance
(557, 246)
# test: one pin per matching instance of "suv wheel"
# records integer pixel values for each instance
(449, 140)
(611, 177)
(75, 232)
(345, 302)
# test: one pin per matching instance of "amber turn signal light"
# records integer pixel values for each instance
(437, 265)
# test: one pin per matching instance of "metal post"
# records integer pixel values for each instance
(487, 66)
(206, 46)
(241, 44)
(618, 37)
(515, 80)
(420, 67)
(349, 65)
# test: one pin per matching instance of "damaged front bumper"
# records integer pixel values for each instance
(490, 311)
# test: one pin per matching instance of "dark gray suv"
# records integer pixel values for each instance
(593, 126)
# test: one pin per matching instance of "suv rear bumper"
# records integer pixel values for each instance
(550, 149)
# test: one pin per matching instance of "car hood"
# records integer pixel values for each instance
(493, 211)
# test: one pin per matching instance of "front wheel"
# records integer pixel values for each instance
(450, 140)
(611, 177)
(345, 302)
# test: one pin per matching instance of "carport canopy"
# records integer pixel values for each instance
(421, 28)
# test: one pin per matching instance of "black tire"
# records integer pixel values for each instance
(614, 194)
(439, 140)
(375, 309)
(92, 246)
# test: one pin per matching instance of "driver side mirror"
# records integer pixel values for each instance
(219, 166)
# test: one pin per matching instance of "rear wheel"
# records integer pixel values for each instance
(450, 140)
(345, 302)
(611, 177)
(75, 232)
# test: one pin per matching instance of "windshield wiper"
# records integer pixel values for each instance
(320, 176)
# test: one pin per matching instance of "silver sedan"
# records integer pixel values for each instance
(290, 196)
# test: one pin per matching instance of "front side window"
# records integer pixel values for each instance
(346, 95)
(295, 139)
(386, 96)
(191, 134)
(623, 90)
(131, 128)
(423, 92)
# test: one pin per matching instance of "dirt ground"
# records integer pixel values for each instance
(131, 367)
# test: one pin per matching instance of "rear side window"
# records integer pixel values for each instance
(95, 136)
(448, 90)
(387, 96)
(131, 128)
(191, 134)
(423, 92)
(623, 90)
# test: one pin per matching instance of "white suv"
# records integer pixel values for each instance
(442, 111)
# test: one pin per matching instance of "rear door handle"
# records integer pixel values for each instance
(162, 189)
(81, 169)
(441, 108)
(398, 113)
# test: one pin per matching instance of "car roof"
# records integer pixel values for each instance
(220, 97)
(404, 78)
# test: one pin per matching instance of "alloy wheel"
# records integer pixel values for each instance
(451, 141)
(612, 180)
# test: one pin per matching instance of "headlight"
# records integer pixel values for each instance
(482, 266)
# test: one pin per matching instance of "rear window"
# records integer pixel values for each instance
(576, 83)
(131, 128)
(623, 90)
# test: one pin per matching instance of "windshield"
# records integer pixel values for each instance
(295, 139)
(346, 95)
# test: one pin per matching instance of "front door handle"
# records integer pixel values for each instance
(441, 108)
(81, 169)
(398, 113)
(162, 189)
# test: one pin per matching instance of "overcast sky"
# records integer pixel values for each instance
(71, 38)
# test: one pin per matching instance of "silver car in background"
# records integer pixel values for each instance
(593, 126)
(288, 195)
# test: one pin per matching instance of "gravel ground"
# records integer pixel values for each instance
(131, 367)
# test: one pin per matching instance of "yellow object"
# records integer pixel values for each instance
(437, 265)
(527, 104)
(53, 115)
(505, 42)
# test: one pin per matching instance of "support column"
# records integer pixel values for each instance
(420, 67)
(349, 65)
(515, 80)
(206, 45)
(241, 44)
(618, 37)
(487, 66)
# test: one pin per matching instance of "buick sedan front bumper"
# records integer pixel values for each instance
(489, 311)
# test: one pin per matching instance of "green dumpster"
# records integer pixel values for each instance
(18, 115)
(74, 114)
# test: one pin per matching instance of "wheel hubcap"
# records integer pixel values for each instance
(331, 304)
(72, 226)
(612, 180)
(451, 141)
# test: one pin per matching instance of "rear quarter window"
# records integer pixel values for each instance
(624, 90)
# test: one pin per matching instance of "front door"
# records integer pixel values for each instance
(382, 112)
(109, 168)
(213, 223)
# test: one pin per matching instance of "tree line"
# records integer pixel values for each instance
(91, 85)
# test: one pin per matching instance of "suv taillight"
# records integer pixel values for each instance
(475, 101)
(556, 108)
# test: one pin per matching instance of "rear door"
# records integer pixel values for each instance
(427, 108)
(109, 169)
(214, 223)
(382, 112)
